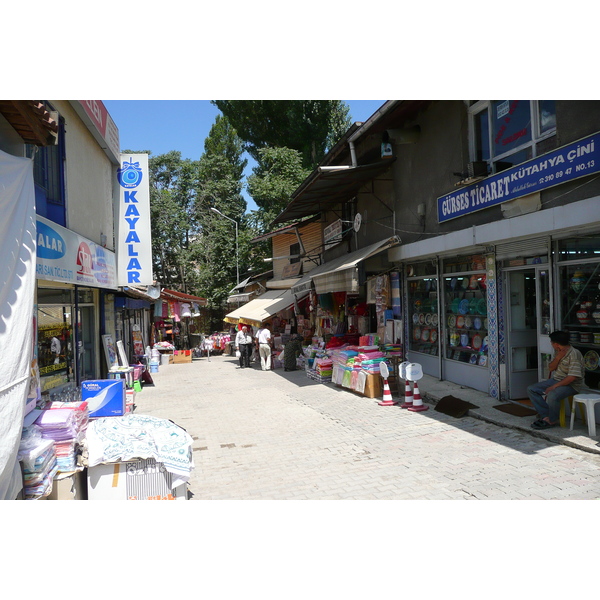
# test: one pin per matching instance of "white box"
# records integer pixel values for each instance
(142, 479)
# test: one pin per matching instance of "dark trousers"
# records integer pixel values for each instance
(245, 352)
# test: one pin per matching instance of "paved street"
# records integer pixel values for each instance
(279, 435)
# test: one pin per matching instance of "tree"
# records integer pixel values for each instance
(311, 127)
(220, 172)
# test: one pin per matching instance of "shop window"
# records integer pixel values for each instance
(580, 312)
(465, 322)
(294, 249)
(581, 248)
(505, 133)
(424, 315)
(49, 176)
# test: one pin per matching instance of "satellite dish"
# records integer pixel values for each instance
(357, 222)
(153, 291)
(383, 369)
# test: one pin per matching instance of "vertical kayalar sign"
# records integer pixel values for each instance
(135, 238)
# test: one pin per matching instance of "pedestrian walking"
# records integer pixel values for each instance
(566, 371)
(264, 343)
(243, 343)
(291, 352)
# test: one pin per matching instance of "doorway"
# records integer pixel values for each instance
(527, 318)
(86, 353)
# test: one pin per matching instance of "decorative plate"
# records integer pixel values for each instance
(591, 360)
(454, 339)
(463, 307)
(415, 318)
(425, 334)
(473, 306)
(482, 360)
(477, 323)
(464, 339)
(421, 319)
(473, 359)
(454, 305)
(484, 344)
(465, 283)
(451, 320)
(434, 319)
(485, 324)
(468, 322)
(481, 306)
(434, 335)
(460, 322)
(417, 334)
(453, 283)
(428, 319)
(477, 341)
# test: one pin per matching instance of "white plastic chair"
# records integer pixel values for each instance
(590, 401)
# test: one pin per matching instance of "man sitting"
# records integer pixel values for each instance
(566, 370)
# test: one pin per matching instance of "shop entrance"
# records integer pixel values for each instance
(527, 319)
(86, 355)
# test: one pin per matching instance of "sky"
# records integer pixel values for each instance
(164, 125)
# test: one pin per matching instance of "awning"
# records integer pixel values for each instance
(261, 309)
(341, 274)
(328, 188)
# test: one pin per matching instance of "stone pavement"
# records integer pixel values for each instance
(280, 435)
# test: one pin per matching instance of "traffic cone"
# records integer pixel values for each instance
(418, 405)
(408, 396)
(387, 395)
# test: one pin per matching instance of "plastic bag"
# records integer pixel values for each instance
(238, 354)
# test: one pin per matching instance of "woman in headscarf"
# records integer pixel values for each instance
(292, 350)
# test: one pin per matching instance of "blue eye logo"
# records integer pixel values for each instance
(130, 174)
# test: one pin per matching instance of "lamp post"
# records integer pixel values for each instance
(237, 262)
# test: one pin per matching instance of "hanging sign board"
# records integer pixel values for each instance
(135, 239)
(332, 234)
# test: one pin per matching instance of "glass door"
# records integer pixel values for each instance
(86, 355)
(528, 323)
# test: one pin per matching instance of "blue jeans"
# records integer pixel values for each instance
(550, 405)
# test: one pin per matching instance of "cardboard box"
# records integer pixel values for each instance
(71, 486)
(105, 397)
(182, 356)
(373, 386)
(142, 479)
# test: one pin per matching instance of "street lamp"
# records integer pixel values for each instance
(237, 261)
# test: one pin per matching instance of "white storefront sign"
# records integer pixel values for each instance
(135, 239)
(65, 256)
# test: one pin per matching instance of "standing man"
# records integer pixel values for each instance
(263, 343)
(566, 370)
(243, 343)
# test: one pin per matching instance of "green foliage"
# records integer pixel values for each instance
(309, 126)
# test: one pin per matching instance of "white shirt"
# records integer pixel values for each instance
(242, 338)
(263, 336)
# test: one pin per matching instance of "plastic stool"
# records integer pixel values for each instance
(590, 401)
(562, 416)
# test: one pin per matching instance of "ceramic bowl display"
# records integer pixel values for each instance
(477, 323)
(584, 317)
(464, 339)
(460, 322)
(578, 281)
(585, 337)
(481, 306)
(463, 307)
(425, 334)
(596, 314)
(473, 306)
(597, 338)
(421, 319)
(452, 321)
(591, 360)
(417, 334)
(477, 342)
(454, 338)
(433, 336)
(468, 322)
(428, 319)
(434, 319)
(482, 362)
(454, 305)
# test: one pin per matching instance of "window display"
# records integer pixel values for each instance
(580, 314)
(466, 322)
(424, 316)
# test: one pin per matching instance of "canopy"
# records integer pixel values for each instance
(341, 274)
(261, 309)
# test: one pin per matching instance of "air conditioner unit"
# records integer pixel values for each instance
(477, 168)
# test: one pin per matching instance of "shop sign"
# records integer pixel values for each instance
(332, 234)
(135, 239)
(67, 257)
(564, 164)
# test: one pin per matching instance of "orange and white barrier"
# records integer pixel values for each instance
(418, 405)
